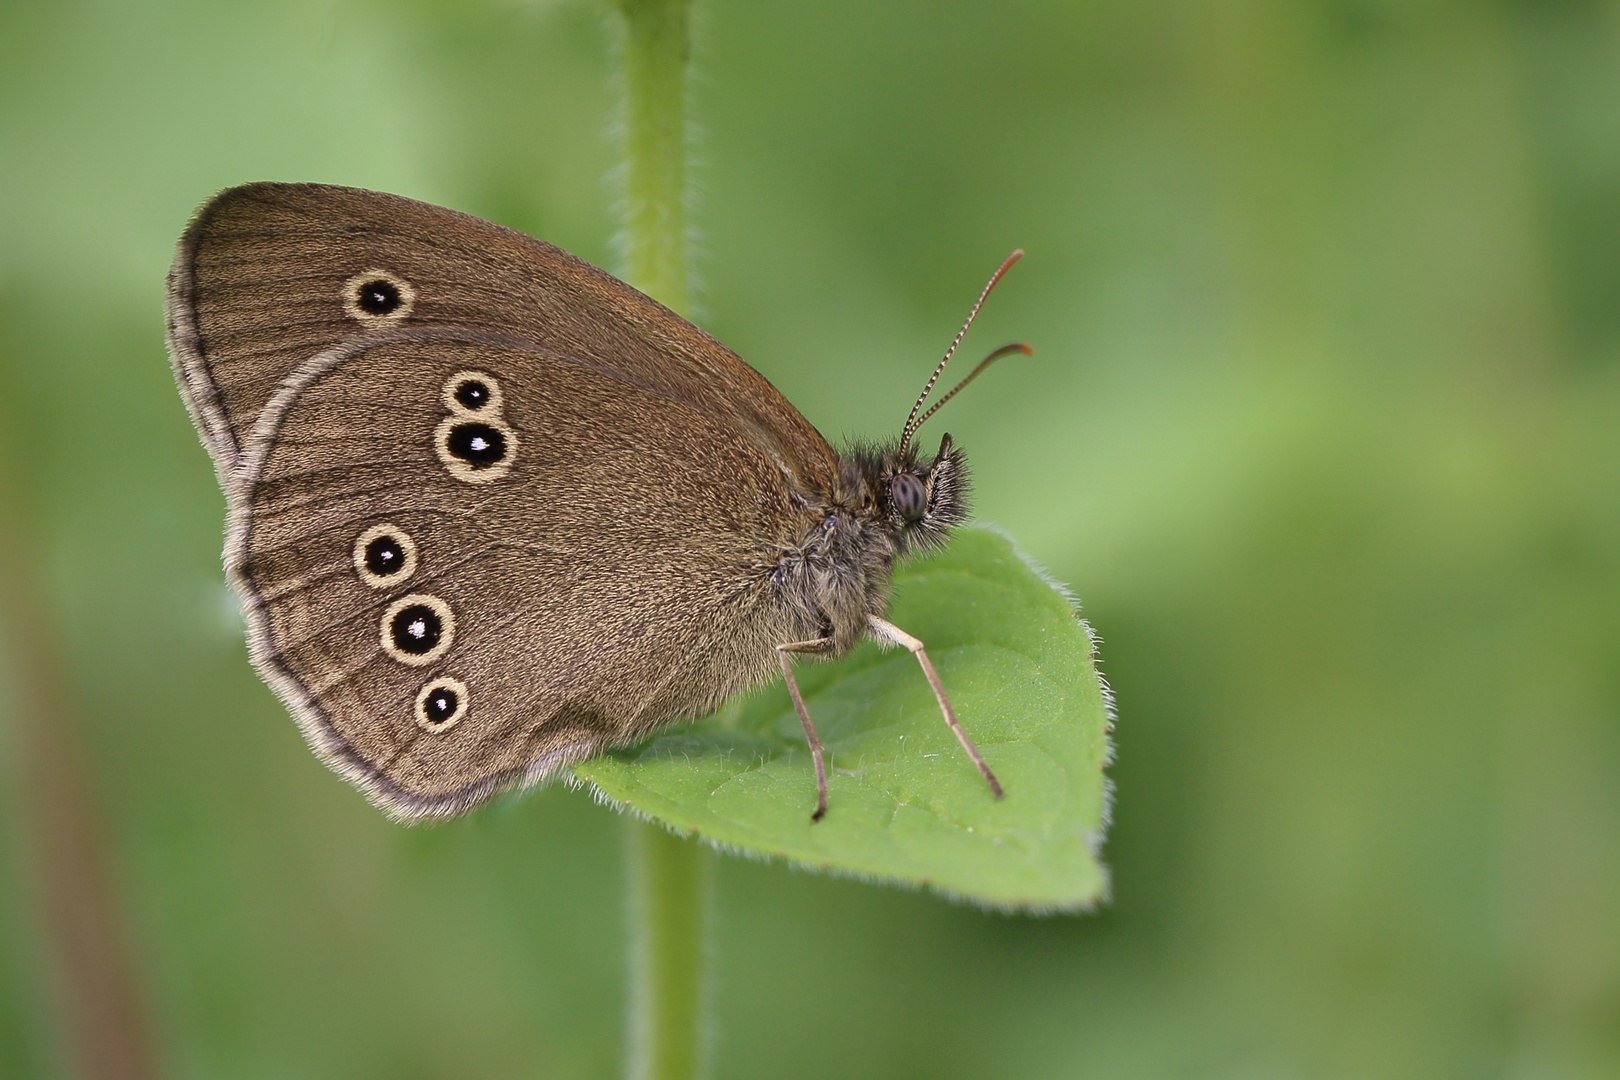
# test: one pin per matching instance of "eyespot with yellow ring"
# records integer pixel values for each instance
(475, 449)
(473, 393)
(384, 556)
(378, 298)
(440, 704)
(417, 629)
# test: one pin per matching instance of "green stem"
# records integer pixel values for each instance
(657, 46)
(668, 910)
(668, 875)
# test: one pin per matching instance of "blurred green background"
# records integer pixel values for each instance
(1323, 426)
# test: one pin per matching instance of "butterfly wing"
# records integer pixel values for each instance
(558, 562)
(267, 275)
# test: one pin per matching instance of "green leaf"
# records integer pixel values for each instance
(906, 805)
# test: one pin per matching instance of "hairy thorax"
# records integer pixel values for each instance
(835, 573)
(835, 577)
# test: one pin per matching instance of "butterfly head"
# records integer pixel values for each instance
(921, 501)
(916, 501)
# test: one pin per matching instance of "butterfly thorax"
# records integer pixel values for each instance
(888, 504)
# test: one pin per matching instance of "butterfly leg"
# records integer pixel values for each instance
(887, 631)
(784, 654)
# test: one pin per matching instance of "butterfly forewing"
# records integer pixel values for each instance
(455, 598)
(268, 275)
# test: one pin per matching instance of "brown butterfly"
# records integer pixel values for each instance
(493, 511)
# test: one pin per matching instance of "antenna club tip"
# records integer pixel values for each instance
(1024, 347)
(1005, 263)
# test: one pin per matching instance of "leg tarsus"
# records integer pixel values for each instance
(783, 654)
(887, 631)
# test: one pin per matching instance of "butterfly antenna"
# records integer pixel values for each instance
(912, 423)
(1017, 346)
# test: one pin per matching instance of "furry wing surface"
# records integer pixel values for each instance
(613, 575)
(264, 279)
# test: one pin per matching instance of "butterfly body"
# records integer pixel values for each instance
(492, 511)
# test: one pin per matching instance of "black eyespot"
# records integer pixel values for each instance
(440, 704)
(908, 497)
(377, 297)
(472, 394)
(479, 445)
(416, 629)
(385, 556)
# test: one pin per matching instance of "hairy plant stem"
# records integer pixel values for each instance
(668, 875)
(669, 884)
(657, 45)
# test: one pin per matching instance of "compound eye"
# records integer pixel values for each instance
(908, 497)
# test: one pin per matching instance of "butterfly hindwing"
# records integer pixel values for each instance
(463, 567)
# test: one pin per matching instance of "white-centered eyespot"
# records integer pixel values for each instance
(378, 297)
(417, 629)
(440, 704)
(475, 450)
(384, 556)
(473, 393)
